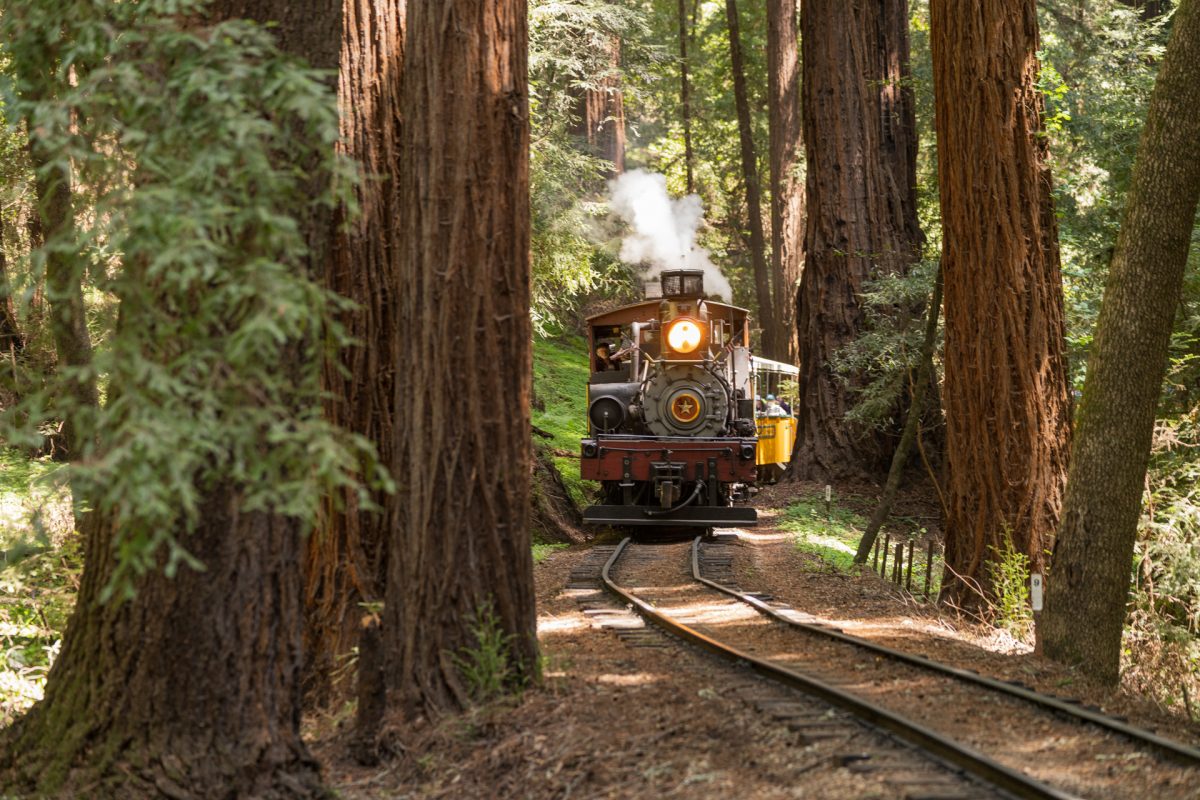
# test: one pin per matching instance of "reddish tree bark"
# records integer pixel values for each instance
(346, 561)
(860, 137)
(787, 188)
(1005, 393)
(192, 687)
(758, 246)
(461, 540)
(600, 113)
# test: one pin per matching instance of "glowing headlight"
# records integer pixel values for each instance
(684, 335)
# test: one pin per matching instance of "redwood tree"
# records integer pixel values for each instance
(1094, 551)
(600, 111)
(1005, 394)
(860, 138)
(461, 545)
(187, 682)
(758, 245)
(345, 561)
(787, 188)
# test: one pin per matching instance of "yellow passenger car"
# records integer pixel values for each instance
(775, 399)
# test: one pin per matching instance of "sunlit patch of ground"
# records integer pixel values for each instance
(564, 623)
(635, 679)
(38, 575)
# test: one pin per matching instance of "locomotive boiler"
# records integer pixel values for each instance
(671, 411)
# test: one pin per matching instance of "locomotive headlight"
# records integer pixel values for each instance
(684, 335)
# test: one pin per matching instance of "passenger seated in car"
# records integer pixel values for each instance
(773, 407)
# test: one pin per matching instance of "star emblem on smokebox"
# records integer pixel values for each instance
(685, 409)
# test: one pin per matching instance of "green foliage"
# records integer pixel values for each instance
(889, 351)
(206, 149)
(654, 103)
(568, 54)
(39, 573)
(1009, 574)
(541, 551)
(1162, 640)
(487, 666)
(1099, 62)
(833, 536)
(560, 376)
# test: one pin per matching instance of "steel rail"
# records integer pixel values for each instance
(942, 749)
(1176, 751)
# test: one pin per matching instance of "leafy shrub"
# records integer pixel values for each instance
(487, 666)
(1009, 574)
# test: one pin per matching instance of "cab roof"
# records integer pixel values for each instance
(648, 309)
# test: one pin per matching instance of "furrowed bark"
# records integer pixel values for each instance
(601, 113)
(192, 687)
(346, 561)
(758, 245)
(787, 188)
(861, 223)
(461, 541)
(1093, 555)
(1005, 392)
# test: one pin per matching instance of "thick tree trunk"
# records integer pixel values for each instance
(191, 688)
(787, 188)
(461, 541)
(1005, 393)
(64, 272)
(758, 245)
(346, 561)
(1094, 551)
(860, 137)
(600, 115)
(685, 98)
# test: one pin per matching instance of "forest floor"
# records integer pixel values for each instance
(613, 720)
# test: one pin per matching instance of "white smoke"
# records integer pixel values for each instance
(663, 229)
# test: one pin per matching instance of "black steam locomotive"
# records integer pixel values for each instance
(672, 432)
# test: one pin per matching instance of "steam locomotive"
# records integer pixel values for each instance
(673, 438)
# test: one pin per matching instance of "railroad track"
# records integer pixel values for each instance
(1174, 751)
(990, 776)
(1003, 781)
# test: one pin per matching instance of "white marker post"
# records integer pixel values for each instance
(1036, 590)
(828, 507)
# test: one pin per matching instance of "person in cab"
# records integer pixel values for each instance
(605, 359)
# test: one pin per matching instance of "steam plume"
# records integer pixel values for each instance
(663, 229)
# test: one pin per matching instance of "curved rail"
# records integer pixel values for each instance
(1176, 751)
(946, 750)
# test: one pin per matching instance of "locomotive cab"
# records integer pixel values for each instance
(672, 436)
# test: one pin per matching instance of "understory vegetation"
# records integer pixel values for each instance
(39, 575)
(560, 376)
(832, 531)
(168, 332)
